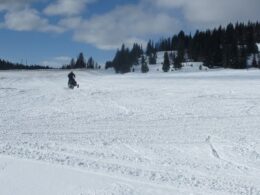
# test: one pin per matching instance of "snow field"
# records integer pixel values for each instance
(157, 133)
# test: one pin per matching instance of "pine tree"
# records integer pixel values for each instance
(80, 63)
(144, 67)
(150, 48)
(181, 45)
(135, 53)
(116, 61)
(90, 63)
(122, 62)
(126, 61)
(152, 58)
(250, 41)
(109, 64)
(166, 63)
(242, 58)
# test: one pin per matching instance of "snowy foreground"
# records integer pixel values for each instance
(172, 133)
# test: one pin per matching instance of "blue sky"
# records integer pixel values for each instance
(51, 32)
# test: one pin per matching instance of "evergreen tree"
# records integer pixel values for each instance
(251, 41)
(126, 61)
(144, 67)
(122, 62)
(80, 63)
(109, 64)
(90, 63)
(152, 58)
(166, 63)
(135, 53)
(150, 48)
(242, 58)
(116, 61)
(181, 46)
(174, 43)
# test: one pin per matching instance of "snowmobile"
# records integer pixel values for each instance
(72, 82)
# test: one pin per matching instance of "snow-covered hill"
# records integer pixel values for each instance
(185, 133)
(157, 68)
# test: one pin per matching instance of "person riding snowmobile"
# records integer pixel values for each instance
(72, 82)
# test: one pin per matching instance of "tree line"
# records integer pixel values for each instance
(125, 59)
(6, 65)
(228, 47)
(233, 46)
(81, 62)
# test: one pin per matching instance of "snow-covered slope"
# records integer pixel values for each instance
(185, 133)
(186, 66)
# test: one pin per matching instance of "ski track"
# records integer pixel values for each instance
(198, 135)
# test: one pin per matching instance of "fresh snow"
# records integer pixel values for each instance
(157, 133)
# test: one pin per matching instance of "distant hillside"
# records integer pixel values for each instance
(185, 66)
(234, 46)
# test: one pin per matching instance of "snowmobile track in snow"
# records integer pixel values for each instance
(145, 128)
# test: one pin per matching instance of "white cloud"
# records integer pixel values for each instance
(149, 18)
(212, 12)
(71, 22)
(125, 24)
(27, 20)
(14, 4)
(57, 62)
(67, 7)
